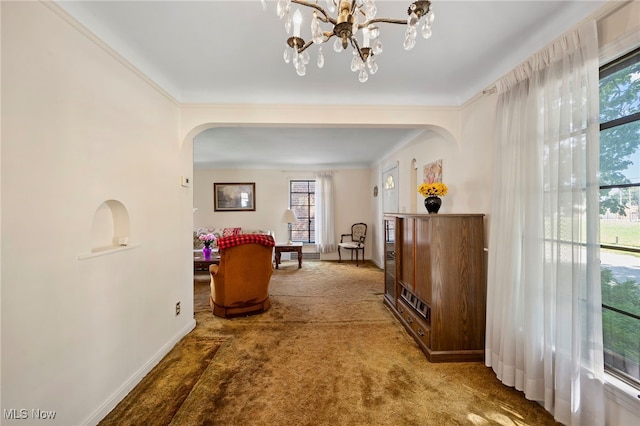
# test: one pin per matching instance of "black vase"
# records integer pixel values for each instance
(432, 204)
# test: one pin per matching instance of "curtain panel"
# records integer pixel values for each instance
(325, 235)
(544, 325)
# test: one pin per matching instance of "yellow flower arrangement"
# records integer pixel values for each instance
(436, 189)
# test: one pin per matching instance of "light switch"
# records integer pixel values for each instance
(185, 181)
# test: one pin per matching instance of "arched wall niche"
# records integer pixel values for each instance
(413, 172)
(110, 228)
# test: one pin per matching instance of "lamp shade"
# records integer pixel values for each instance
(289, 216)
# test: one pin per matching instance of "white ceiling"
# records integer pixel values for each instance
(231, 52)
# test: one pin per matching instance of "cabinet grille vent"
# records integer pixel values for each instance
(422, 308)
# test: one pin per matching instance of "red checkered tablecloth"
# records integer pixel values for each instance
(234, 240)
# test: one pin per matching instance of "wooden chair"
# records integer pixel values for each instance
(353, 241)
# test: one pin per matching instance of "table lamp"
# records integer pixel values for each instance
(289, 217)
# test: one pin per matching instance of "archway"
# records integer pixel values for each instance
(110, 227)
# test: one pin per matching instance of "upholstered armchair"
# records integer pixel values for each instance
(353, 241)
(240, 283)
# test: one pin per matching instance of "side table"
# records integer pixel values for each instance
(287, 248)
(202, 264)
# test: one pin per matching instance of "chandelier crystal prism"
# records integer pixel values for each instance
(347, 22)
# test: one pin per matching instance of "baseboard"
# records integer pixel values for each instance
(106, 407)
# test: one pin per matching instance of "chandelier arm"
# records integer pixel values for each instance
(354, 44)
(328, 35)
(353, 8)
(306, 45)
(327, 17)
(384, 20)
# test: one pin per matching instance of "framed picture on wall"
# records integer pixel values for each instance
(234, 197)
(432, 172)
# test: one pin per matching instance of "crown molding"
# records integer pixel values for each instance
(64, 15)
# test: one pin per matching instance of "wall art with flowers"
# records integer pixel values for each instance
(432, 172)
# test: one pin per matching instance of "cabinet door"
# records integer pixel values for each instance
(406, 233)
(424, 267)
(457, 283)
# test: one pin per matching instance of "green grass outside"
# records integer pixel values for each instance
(620, 233)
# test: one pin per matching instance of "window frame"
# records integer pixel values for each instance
(606, 70)
(309, 207)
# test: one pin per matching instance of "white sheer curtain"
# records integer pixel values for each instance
(325, 235)
(544, 329)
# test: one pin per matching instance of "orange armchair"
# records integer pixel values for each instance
(240, 284)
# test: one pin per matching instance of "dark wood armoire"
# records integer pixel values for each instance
(435, 282)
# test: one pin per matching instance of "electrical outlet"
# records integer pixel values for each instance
(177, 308)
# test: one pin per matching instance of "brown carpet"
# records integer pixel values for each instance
(161, 393)
(328, 352)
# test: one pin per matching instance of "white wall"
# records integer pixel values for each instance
(466, 167)
(80, 128)
(352, 194)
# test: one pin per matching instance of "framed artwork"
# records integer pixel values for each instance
(234, 197)
(432, 172)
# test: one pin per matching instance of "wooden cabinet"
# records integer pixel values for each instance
(435, 285)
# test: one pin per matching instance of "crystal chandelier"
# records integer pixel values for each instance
(351, 17)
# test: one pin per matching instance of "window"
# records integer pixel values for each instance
(302, 202)
(619, 222)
